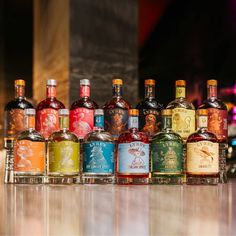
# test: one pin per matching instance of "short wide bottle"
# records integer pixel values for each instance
(63, 149)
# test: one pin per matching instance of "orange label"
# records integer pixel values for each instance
(29, 156)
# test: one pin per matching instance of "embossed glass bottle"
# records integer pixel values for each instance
(29, 153)
(149, 110)
(132, 154)
(63, 153)
(14, 115)
(47, 120)
(217, 123)
(98, 154)
(202, 153)
(82, 111)
(116, 111)
(167, 154)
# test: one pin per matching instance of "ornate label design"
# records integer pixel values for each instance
(47, 121)
(183, 122)
(133, 158)
(29, 156)
(81, 121)
(98, 157)
(14, 122)
(116, 121)
(202, 157)
(64, 157)
(149, 121)
(180, 92)
(167, 157)
(217, 122)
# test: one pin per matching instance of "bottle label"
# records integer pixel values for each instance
(133, 158)
(133, 122)
(217, 122)
(98, 157)
(63, 157)
(202, 121)
(47, 121)
(183, 122)
(99, 121)
(81, 121)
(202, 157)
(180, 92)
(29, 156)
(116, 121)
(14, 122)
(167, 157)
(149, 121)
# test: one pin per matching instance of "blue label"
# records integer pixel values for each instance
(99, 121)
(98, 157)
(133, 158)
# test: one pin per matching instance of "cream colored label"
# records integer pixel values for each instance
(183, 122)
(202, 121)
(180, 92)
(203, 157)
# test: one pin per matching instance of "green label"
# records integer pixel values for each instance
(64, 157)
(167, 157)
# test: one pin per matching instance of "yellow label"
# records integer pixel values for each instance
(202, 157)
(180, 92)
(183, 122)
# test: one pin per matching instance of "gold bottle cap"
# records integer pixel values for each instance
(133, 112)
(20, 82)
(117, 81)
(202, 112)
(150, 82)
(166, 112)
(212, 82)
(180, 83)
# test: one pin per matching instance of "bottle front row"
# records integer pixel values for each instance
(63, 159)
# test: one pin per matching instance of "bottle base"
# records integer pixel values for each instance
(132, 181)
(167, 179)
(29, 179)
(98, 179)
(202, 180)
(222, 163)
(63, 180)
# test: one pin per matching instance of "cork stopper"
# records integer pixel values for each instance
(64, 112)
(202, 112)
(166, 112)
(20, 82)
(98, 112)
(51, 82)
(150, 82)
(180, 83)
(212, 82)
(133, 112)
(30, 111)
(85, 82)
(117, 82)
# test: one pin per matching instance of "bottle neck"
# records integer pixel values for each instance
(180, 92)
(117, 90)
(166, 122)
(51, 91)
(84, 91)
(98, 122)
(30, 122)
(133, 122)
(202, 122)
(19, 91)
(64, 122)
(212, 91)
(149, 91)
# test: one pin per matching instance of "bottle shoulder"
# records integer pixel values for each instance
(100, 135)
(18, 104)
(133, 135)
(166, 136)
(117, 102)
(50, 103)
(202, 135)
(180, 103)
(31, 135)
(213, 103)
(84, 102)
(149, 103)
(63, 136)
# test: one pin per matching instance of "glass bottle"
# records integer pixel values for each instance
(217, 123)
(14, 116)
(116, 111)
(183, 112)
(82, 111)
(63, 153)
(132, 154)
(167, 154)
(9, 161)
(29, 153)
(202, 153)
(149, 110)
(47, 120)
(98, 154)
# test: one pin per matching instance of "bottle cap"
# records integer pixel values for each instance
(133, 112)
(117, 81)
(202, 112)
(52, 82)
(20, 82)
(150, 82)
(166, 112)
(212, 82)
(85, 82)
(63, 112)
(30, 111)
(98, 112)
(180, 83)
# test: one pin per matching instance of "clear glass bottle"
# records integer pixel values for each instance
(63, 153)
(132, 154)
(116, 111)
(202, 154)
(167, 154)
(47, 120)
(29, 153)
(217, 123)
(98, 154)
(150, 110)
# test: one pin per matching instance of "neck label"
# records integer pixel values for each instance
(133, 122)
(180, 92)
(202, 122)
(99, 121)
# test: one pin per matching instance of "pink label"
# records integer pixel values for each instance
(81, 121)
(84, 91)
(47, 121)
